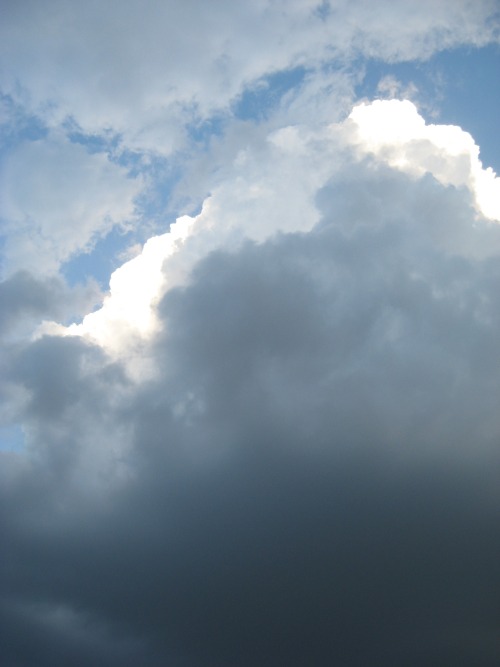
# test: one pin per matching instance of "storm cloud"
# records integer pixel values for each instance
(310, 476)
(274, 439)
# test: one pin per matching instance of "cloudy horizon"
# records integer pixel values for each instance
(249, 324)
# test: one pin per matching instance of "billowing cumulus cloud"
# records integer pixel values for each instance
(298, 163)
(275, 439)
(311, 472)
(396, 133)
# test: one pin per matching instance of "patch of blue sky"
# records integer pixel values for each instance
(98, 263)
(12, 438)
(154, 216)
(158, 206)
(406, 73)
(107, 142)
(3, 243)
(154, 208)
(258, 100)
(460, 86)
(472, 100)
(17, 126)
(203, 130)
(323, 10)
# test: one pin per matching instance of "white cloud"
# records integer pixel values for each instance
(395, 133)
(272, 187)
(145, 74)
(57, 199)
(129, 309)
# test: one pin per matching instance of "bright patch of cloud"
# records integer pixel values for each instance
(128, 310)
(284, 174)
(396, 134)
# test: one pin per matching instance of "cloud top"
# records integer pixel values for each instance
(391, 131)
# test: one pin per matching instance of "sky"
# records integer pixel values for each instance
(249, 318)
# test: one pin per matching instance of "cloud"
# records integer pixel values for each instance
(309, 475)
(283, 172)
(146, 75)
(395, 132)
(24, 301)
(237, 209)
(57, 199)
(128, 310)
(276, 441)
(24, 298)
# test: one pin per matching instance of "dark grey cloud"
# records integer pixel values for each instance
(310, 478)
(25, 299)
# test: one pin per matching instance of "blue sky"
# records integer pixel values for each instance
(459, 86)
(249, 315)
